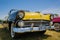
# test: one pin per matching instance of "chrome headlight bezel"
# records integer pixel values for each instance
(20, 14)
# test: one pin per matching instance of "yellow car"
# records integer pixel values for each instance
(24, 21)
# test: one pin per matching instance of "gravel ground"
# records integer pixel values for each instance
(49, 35)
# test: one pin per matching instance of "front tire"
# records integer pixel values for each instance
(12, 33)
(9, 24)
(56, 26)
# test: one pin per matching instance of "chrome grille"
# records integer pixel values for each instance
(36, 23)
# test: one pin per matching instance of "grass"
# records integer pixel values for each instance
(49, 35)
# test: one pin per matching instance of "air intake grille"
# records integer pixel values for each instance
(35, 23)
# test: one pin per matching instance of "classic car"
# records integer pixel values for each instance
(21, 21)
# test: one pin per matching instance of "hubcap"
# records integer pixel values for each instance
(56, 25)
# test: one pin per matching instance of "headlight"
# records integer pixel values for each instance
(21, 23)
(51, 23)
(20, 14)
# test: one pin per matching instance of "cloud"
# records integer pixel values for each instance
(52, 10)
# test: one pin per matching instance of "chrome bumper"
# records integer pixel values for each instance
(30, 29)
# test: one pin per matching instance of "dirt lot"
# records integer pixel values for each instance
(49, 35)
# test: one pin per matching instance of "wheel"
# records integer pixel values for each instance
(56, 26)
(12, 34)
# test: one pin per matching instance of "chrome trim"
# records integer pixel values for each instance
(30, 29)
(34, 21)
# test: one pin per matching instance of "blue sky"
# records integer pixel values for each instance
(52, 6)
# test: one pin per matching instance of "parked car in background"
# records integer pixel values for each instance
(55, 22)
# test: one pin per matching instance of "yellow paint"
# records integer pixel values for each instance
(36, 16)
